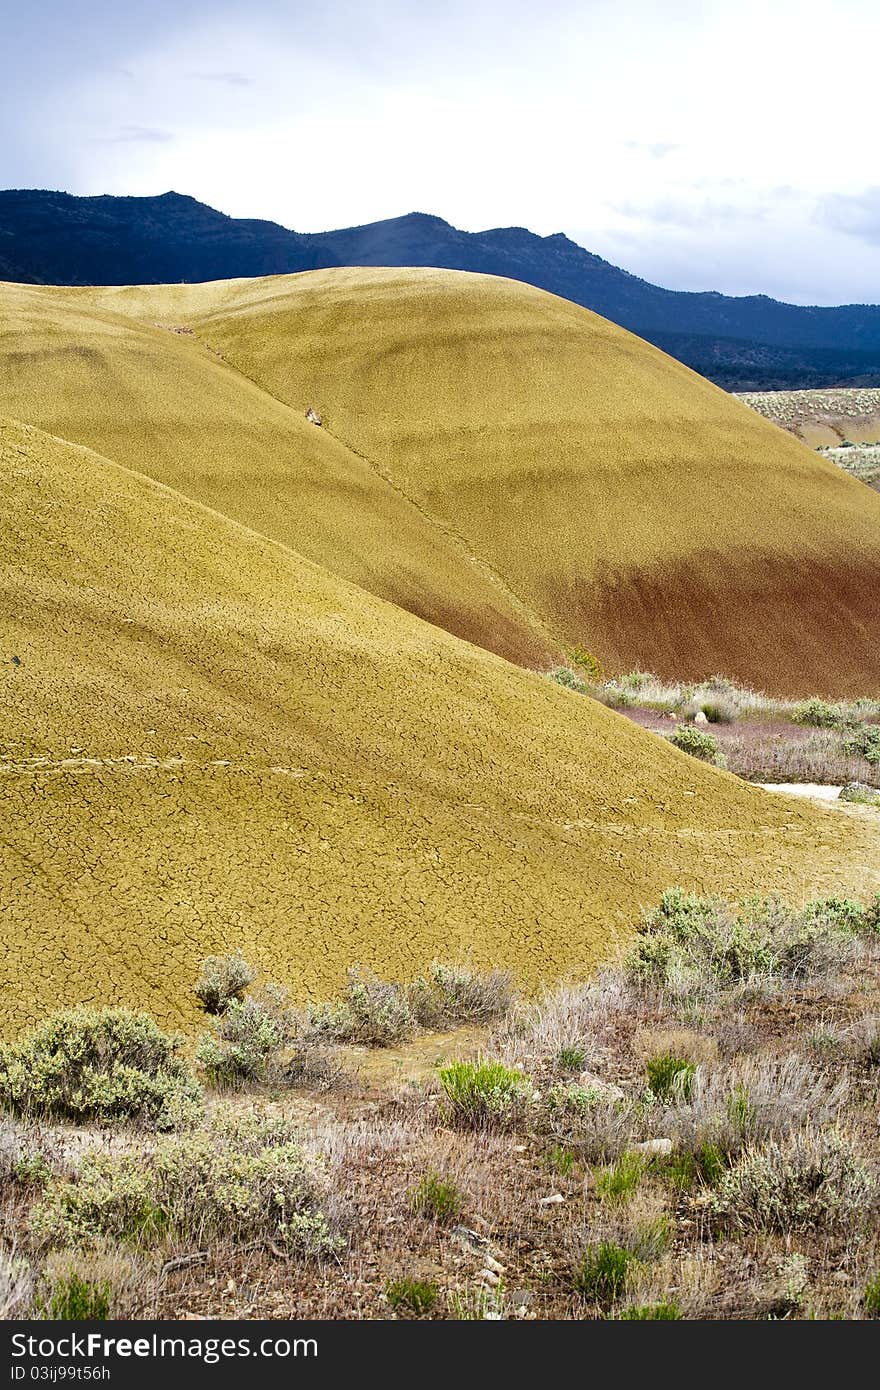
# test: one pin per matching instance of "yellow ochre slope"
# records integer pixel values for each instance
(158, 401)
(495, 459)
(634, 508)
(209, 742)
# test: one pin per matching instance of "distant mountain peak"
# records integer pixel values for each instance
(746, 343)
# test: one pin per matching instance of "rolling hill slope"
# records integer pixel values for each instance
(633, 508)
(210, 742)
(158, 401)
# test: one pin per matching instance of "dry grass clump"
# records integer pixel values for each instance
(16, 1285)
(566, 1028)
(820, 757)
(720, 699)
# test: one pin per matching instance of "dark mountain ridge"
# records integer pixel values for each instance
(749, 342)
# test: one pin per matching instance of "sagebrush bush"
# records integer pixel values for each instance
(818, 714)
(454, 994)
(380, 1013)
(103, 1065)
(811, 1180)
(248, 1038)
(690, 944)
(373, 1013)
(436, 1198)
(859, 793)
(699, 744)
(485, 1093)
(223, 980)
(241, 1178)
(864, 741)
(564, 675)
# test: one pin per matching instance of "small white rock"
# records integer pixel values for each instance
(701, 717)
(654, 1146)
(605, 1090)
(552, 1200)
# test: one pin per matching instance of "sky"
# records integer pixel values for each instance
(702, 144)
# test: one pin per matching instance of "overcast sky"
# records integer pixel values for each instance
(704, 144)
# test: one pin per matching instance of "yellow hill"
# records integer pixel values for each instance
(210, 742)
(496, 460)
(158, 401)
(636, 509)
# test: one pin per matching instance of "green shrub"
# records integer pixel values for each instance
(417, 1296)
(73, 1299)
(871, 1297)
(223, 980)
(860, 793)
(671, 1078)
(571, 1058)
(248, 1038)
(698, 743)
(562, 1160)
(818, 714)
(602, 1273)
(636, 681)
(243, 1178)
(702, 1166)
(374, 1013)
(864, 741)
(837, 914)
(618, 1181)
(688, 943)
(811, 1180)
(651, 1311)
(103, 1065)
(587, 662)
(564, 675)
(485, 1093)
(436, 1198)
